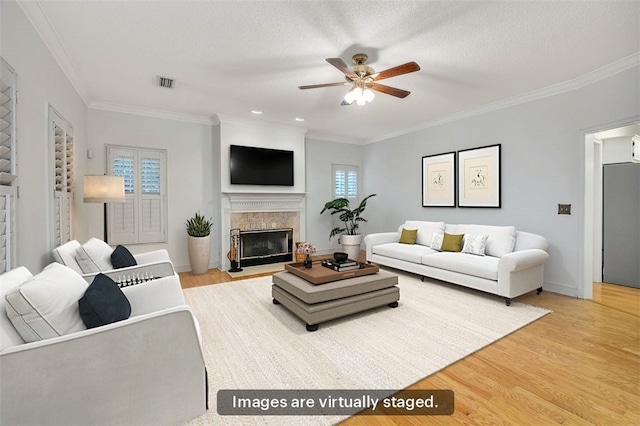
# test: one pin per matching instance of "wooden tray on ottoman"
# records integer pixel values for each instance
(319, 274)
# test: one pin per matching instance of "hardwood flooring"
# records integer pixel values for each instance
(618, 297)
(579, 365)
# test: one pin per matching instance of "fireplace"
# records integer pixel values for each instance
(260, 247)
(254, 213)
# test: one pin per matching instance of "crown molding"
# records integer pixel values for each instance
(43, 27)
(148, 112)
(566, 86)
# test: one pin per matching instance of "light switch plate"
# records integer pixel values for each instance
(564, 208)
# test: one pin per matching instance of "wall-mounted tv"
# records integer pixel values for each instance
(260, 166)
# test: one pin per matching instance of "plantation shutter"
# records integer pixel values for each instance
(340, 178)
(61, 140)
(345, 182)
(151, 217)
(123, 217)
(142, 218)
(8, 173)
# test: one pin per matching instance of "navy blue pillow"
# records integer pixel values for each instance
(103, 303)
(121, 257)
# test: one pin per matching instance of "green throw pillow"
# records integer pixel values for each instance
(408, 236)
(452, 242)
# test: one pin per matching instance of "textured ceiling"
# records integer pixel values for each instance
(229, 57)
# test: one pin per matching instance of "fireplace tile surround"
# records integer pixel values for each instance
(266, 220)
(256, 211)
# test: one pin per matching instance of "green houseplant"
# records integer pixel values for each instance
(199, 230)
(198, 226)
(351, 219)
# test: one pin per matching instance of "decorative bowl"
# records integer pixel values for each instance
(340, 256)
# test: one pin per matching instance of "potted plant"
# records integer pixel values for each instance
(350, 238)
(199, 230)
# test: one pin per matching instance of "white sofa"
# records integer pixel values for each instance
(513, 263)
(144, 370)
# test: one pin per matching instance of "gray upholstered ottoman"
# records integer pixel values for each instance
(323, 302)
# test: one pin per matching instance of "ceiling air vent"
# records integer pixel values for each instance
(165, 82)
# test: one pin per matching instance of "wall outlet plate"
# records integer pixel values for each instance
(564, 208)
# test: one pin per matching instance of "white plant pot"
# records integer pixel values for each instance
(351, 245)
(199, 250)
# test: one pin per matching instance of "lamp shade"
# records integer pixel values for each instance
(103, 189)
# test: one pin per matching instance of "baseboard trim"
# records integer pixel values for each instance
(561, 289)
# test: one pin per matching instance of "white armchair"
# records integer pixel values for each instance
(156, 262)
(145, 370)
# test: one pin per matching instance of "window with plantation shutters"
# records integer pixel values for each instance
(345, 182)
(8, 173)
(142, 217)
(61, 142)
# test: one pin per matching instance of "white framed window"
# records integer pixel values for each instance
(8, 162)
(142, 217)
(61, 143)
(345, 182)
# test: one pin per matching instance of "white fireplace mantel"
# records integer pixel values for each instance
(264, 202)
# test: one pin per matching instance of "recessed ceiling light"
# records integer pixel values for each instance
(256, 111)
(300, 118)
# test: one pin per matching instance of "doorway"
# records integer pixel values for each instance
(601, 147)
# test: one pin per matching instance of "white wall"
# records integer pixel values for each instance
(542, 165)
(192, 175)
(321, 156)
(40, 82)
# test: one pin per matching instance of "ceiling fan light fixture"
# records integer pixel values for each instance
(350, 96)
(368, 95)
(364, 80)
(359, 95)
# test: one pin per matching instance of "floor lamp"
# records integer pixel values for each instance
(103, 189)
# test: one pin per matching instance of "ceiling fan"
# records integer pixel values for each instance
(364, 80)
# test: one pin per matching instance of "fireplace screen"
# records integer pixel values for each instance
(260, 247)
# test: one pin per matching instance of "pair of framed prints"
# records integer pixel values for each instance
(473, 175)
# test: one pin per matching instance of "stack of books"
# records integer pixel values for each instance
(340, 266)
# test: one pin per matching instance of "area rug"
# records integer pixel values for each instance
(250, 343)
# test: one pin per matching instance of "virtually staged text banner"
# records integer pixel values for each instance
(307, 402)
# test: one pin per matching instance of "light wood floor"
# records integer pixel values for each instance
(579, 365)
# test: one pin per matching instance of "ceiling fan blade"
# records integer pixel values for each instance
(339, 63)
(315, 86)
(398, 93)
(399, 70)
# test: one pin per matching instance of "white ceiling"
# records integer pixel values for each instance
(229, 57)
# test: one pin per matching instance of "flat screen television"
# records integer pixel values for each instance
(260, 166)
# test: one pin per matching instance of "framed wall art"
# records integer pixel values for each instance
(479, 177)
(439, 180)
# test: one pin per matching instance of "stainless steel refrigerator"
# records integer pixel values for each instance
(621, 224)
